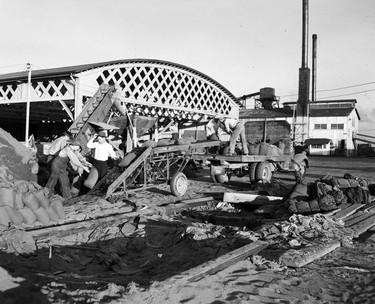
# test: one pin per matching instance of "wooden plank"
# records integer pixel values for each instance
(242, 158)
(186, 204)
(218, 264)
(196, 145)
(64, 230)
(129, 170)
(299, 258)
(363, 226)
(369, 206)
(358, 219)
(232, 197)
(349, 210)
(103, 125)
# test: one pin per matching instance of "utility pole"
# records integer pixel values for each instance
(28, 103)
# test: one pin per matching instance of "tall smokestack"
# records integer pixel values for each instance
(314, 58)
(303, 101)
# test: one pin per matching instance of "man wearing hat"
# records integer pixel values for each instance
(59, 168)
(103, 151)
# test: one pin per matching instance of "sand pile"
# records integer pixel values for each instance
(19, 159)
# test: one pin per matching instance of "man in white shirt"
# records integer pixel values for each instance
(103, 151)
(236, 129)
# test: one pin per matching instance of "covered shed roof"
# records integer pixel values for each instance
(317, 141)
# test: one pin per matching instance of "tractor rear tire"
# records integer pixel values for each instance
(263, 172)
(252, 170)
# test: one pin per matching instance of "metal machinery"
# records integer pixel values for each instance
(150, 166)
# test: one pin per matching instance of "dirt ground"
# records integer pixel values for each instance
(142, 265)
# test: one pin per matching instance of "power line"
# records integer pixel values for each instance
(361, 92)
(348, 87)
(336, 89)
(11, 66)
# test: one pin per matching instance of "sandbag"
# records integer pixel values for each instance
(28, 215)
(127, 159)
(262, 148)
(165, 142)
(185, 140)
(43, 201)
(17, 199)
(52, 214)
(149, 143)
(21, 186)
(327, 202)
(14, 215)
(281, 145)
(92, 178)
(300, 192)
(303, 207)
(30, 200)
(253, 149)
(273, 150)
(6, 196)
(58, 206)
(34, 167)
(42, 215)
(4, 217)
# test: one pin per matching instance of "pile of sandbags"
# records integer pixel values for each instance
(265, 149)
(24, 202)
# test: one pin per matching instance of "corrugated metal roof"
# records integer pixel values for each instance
(331, 112)
(268, 113)
(323, 101)
(71, 70)
(317, 141)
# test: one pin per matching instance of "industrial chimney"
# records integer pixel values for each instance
(303, 102)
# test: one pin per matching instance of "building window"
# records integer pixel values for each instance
(320, 126)
(337, 126)
(315, 146)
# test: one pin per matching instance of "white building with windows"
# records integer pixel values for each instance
(337, 121)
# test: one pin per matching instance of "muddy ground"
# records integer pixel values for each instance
(140, 266)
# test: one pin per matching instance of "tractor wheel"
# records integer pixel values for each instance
(252, 168)
(263, 172)
(179, 184)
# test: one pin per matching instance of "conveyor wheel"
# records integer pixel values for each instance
(179, 184)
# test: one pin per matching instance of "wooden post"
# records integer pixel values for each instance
(28, 104)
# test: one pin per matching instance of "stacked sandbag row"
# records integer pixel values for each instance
(27, 202)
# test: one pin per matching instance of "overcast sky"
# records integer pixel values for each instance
(243, 44)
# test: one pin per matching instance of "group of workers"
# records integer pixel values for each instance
(66, 150)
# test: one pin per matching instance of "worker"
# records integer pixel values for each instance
(59, 167)
(213, 128)
(103, 151)
(236, 129)
(300, 162)
(57, 145)
(213, 132)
